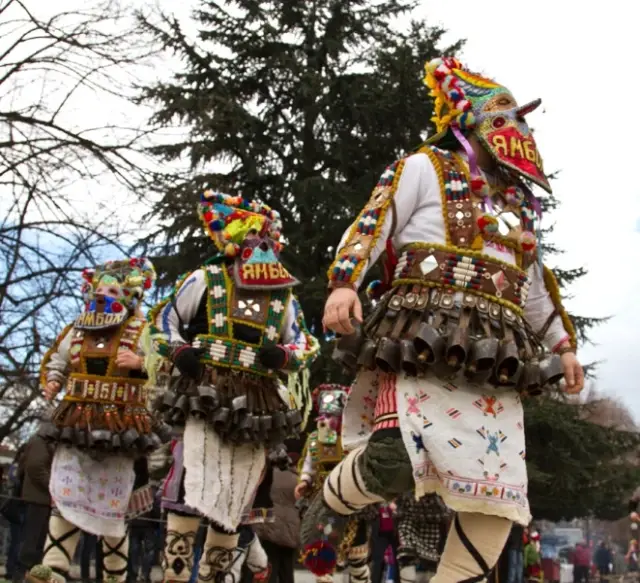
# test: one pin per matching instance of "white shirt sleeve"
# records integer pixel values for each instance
(412, 186)
(58, 364)
(308, 471)
(186, 302)
(539, 307)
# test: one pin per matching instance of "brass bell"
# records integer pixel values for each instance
(208, 397)
(429, 344)
(530, 380)
(551, 370)
(156, 442)
(168, 401)
(239, 404)
(410, 364)
(352, 343)
(346, 360)
(164, 432)
(67, 435)
(196, 409)
(129, 437)
(221, 419)
(482, 355)
(388, 356)
(294, 419)
(367, 356)
(278, 420)
(101, 438)
(457, 348)
(80, 438)
(145, 444)
(508, 362)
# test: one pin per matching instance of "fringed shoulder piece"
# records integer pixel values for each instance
(47, 356)
(551, 283)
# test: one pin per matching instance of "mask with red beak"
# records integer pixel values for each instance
(467, 103)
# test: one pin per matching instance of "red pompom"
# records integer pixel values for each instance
(320, 558)
(133, 262)
(147, 283)
(117, 307)
(208, 216)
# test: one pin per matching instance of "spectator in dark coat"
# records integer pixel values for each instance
(142, 542)
(35, 470)
(602, 559)
(281, 538)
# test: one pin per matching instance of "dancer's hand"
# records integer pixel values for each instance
(51, 389)
(635, 517)
(128, 360)
(573, 373)
(301, 490)
(343, 305)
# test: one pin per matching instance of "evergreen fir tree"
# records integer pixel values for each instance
(306, 101)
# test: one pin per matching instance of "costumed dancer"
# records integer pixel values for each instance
(233, 329)
(102, 427)
(322, 452)
(471, 322)
(422, 529)
(178, 558)
(533, 560)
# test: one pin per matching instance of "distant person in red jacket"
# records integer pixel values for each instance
(581, 563)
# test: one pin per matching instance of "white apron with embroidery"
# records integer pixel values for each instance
(465, 442)
(221, 479)
(92, 495)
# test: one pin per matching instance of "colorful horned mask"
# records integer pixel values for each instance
(330, 401)
(249, 234)
(113, 291)
(466, 103)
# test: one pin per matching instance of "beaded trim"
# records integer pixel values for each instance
(464, 267)
(129, 335)
(222, 350)
(551, 283)
(366, 229)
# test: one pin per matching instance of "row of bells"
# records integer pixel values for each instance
(482, 360)
(235, 423)
(129, 441)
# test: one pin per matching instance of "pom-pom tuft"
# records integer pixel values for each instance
(320, 558)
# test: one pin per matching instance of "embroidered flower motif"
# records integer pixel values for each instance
(218, 291)
(217, 350)
(277, 306)
(271, 332)
(247, 357)
(218, 320)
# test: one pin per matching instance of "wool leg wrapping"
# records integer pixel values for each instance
(358, 564)
(177, 562)
(408, 574)
(257, 560)
(219, 555)
(344, 489)
(115, 556)
(473, 548)
(61, 544)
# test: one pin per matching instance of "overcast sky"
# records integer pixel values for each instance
(579, 57)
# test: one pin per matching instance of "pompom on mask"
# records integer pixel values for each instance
(468, 103)
(247, 233)
(113, 291)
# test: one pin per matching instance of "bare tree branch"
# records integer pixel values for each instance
(59, 148)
